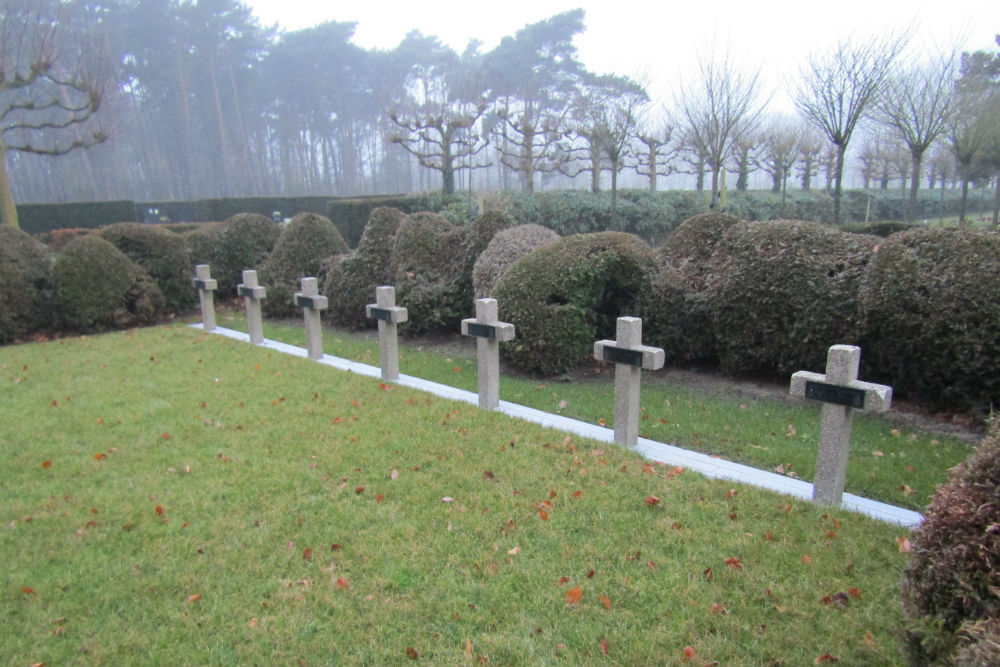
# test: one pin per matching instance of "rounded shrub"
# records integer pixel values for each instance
(508, 246)
(163, 254)
(689, 248)
(202, 242)
(953, 575)
(245, 242)
(932, 316)
(566, 294)
(782, 292)
(306, 243)
(98, 287)
(427, 262)
(351, 281)
(678, 309)
(25, 284)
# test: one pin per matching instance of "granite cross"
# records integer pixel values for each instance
(841, 393)
(489, 333)
(630, 356)
(252, 293)
(311, 303)
(206, 285)
(388, 315)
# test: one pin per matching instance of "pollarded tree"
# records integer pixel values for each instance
(441, 121)
(836, 90)
(780, 147)
(918, 105)
(51, 86)
(719, 108)
(810, 150)
(658, 149)
(606, 113)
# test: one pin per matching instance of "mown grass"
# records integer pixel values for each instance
(890, 463)
(175, 498)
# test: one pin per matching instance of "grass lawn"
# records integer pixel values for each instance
(170, 497)
(896, 465)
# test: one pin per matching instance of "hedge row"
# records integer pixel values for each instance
(769, 298)
(41, 218)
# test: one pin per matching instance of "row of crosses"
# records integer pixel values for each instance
(838, 389)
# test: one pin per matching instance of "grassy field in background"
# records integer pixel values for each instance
(171, 497)
(897, 465)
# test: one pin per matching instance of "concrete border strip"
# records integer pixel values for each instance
(703, 464)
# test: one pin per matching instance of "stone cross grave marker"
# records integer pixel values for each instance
(841, 393)
(312, 303)
(388, 315)
(206, 285)
(252, 293)
(489, 333)
(630, 356)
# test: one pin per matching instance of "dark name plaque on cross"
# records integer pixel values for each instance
(245, 291)
(383, 314)
(621, 355)
(482, 330)
(305, 301)
(832, 393)
(200, 284)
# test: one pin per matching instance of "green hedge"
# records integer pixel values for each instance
(569, 293)
(302, 251)
(932, 317)
(351, 281)
(782, 292)
(97, 287)
(39, 218)
(25, 285)
(163, 254)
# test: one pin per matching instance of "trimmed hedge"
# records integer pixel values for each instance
(783, 292)
(932, 317)
(351, 214)
(25, 284)
(508, 246)
(426, 268)
(351, 281)
(304, 246)
(951, 581)
(98, 287)
(569, 293)
(163, 254)
(244, 242)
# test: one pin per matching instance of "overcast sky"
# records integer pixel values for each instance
(657, 41)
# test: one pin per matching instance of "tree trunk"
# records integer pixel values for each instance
(8, 210)
(838, 181)
(614, 192)
(776, 179)
(996, 202)
(911, 206)
(964, 202)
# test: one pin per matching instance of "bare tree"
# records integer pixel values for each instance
(918, 104)
(837, 89)
(51, 86)
(810, 149)
(719, 108)
(780, 147)
(658, 148)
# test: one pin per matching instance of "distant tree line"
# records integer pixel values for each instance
(182, 99)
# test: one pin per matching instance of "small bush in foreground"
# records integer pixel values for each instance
(953, 576)
(98, 287)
